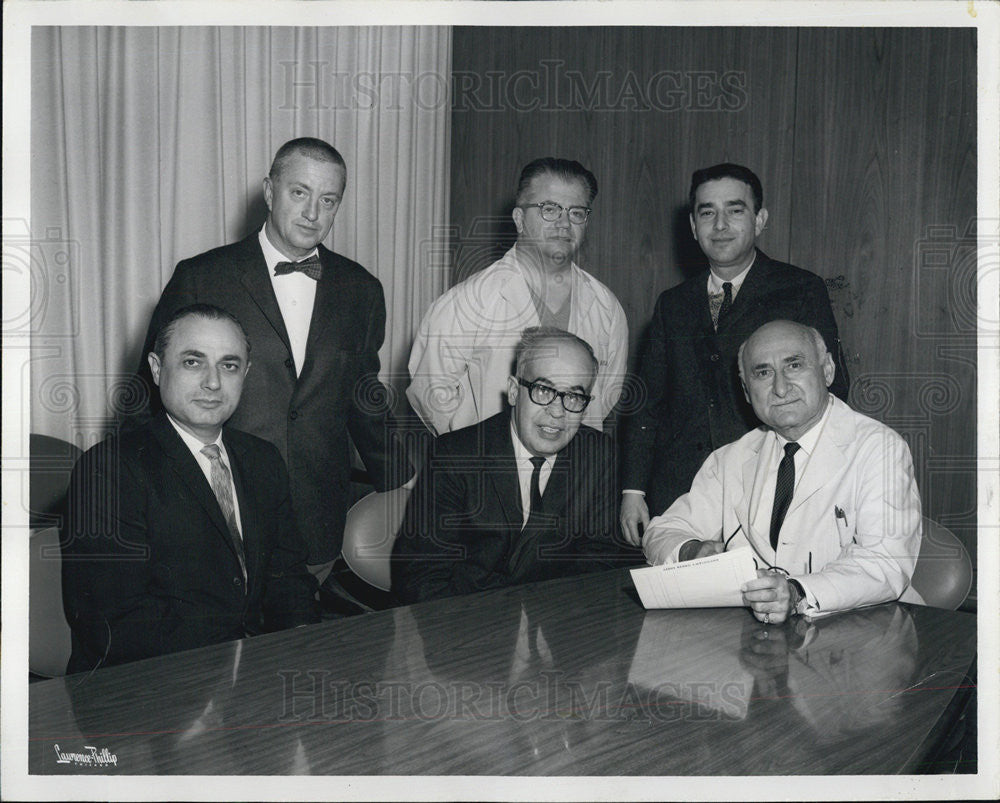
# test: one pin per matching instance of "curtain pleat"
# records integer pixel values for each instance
(150, 145)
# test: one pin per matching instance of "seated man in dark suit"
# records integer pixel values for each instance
(522, 496)
(180, 533)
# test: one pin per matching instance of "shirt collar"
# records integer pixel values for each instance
(193, 443)
(715, 282)
(521, 453)
(807, 443)
(272, 256)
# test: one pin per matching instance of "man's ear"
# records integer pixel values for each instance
(746, 393)
(829, 369)
(518, 217)
(512, 390)
(760, 222)
(694, 229)
(154, 367)
(268, 192)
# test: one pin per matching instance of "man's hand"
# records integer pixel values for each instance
(694, 549)
(634, 513)
(769, 596)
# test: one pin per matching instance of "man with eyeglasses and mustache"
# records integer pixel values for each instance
(526, 495)
(464, 348)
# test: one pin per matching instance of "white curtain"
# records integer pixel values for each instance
(149, 145)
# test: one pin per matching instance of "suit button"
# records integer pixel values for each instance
(237, 582)
(293, 414)
(288, 363)
(715, 358)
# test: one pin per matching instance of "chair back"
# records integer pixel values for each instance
(369, 533)
(49, 639)
(942, 577)
(51, 462)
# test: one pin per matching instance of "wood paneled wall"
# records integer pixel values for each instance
(864, 139)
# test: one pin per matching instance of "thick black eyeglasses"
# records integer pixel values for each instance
(551, 211)
(543, 396)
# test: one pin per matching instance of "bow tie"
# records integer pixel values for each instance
(311, 267)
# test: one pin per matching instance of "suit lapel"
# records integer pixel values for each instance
(329, 294)
(258, 285)
(184, 465)
(754, 472)
(827, 460)
(248, 510)
(503, 482)
(698, 304)
(751, 289)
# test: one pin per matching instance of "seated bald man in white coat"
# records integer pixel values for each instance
(825, 496)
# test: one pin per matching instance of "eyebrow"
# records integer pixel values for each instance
(734, 202)
(545, 381)
(309, 187)
(196, 353)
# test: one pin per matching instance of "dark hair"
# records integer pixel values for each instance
(533, 339)
(207, 311)
(566, 169)
(306, 146)
(727, 170)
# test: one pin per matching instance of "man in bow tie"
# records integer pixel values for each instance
(180, 533)
(824, 496)
(317, 321)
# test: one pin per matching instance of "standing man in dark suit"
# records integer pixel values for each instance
(317, 321)
(694, 400)
(180, 533)
(525, 495)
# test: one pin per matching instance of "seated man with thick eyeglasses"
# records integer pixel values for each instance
(528, 494)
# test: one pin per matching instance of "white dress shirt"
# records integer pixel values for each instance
(524, 471)
(715, 282)
(296, 294)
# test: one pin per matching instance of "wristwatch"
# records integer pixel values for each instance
(798, 597)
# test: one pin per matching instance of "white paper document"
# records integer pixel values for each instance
(712, 582)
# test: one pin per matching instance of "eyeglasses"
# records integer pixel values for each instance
(543, 396)
(551, 211)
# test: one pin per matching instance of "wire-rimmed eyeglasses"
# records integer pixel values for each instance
(543, 396)
(551, 211)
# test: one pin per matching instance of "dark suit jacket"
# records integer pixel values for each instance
(694, 400)
(462, 531)
(337, 391)
(149, 566)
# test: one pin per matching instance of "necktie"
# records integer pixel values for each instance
(536, 512)
(783, 490)
(311, 267)
(727, 302)
(222, 487)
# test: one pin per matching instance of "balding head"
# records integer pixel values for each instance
(786, 370)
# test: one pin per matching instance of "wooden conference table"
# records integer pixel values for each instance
(566, 677)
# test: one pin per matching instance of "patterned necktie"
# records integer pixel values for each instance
(222, 487)
(536, 512)
(727, 302)
(311, 267)
(783, 491)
